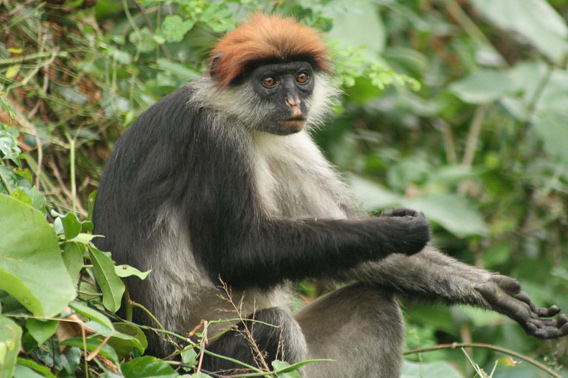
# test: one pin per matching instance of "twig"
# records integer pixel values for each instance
(485, 346)
(63, 187)
(72, 145)
(135, 304)
(202, 346)
(473, 134)
(25, 58)
(258, 356)
(531, 107)
(151, 27)
(470, 28)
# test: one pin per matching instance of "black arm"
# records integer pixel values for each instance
(235, 239)
(431, 275)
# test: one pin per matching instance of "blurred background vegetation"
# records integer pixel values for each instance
(455, 107)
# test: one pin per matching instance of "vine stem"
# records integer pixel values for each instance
(485, 346)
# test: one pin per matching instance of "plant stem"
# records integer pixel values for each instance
(485, 346)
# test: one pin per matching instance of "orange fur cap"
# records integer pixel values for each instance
(265, 38)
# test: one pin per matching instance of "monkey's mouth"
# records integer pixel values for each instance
(293, 122)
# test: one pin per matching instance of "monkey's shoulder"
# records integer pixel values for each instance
(169, 123)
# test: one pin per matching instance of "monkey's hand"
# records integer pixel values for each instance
(504, 295)
(409, 230)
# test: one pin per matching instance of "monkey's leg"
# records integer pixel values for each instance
(359, 326)
(267, 335)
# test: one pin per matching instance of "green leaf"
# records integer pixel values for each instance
(8, 143)
(370, 194)
(361, 25)
(41, 330)
(32, 365)
(178, 70)
(552, 129)
(10, 335)
(91, 313)
(281, 370)
(71, 226)
(128, 332)
(92, 344)
(189, 356)
(497, 255)
(91, 204)
(122, 343)
(124, 271)
(507, 361)
(452, 212)
(13, 71)
(143, 39)
(174, 28)
(84, 238)
(37, 198)
(483, 87)
(429, 370)
(22, 371)
(536, 20)
(73, 259)
(147, 366)
(21, 196)
(111, 285)
(31, 267)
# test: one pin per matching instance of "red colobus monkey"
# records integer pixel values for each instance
(221, 181)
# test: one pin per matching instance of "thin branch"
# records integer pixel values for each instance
(473, 134)
(151, 27)
(485, 346)
(471, 28)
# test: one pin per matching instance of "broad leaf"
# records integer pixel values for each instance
(91, 313)
(41, 330)
(552, 129)
(73, 259)
(10, 334)
(536, 20)
(370, 194)
(124, 271)
(92, 345)
(452, 212)
(31, 267)
(111, 285)
(483, 87)
(429, 370)
(147, 366)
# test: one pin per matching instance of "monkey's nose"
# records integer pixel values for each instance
(292, 101)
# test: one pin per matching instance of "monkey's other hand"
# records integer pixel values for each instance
(409, 230)
(504, 295)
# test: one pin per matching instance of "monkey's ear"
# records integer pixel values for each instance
(215, 61)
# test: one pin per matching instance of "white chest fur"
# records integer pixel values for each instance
(294, 179)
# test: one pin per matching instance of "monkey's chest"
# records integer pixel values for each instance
(289, 188)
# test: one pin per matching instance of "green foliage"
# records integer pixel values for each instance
(454, 108)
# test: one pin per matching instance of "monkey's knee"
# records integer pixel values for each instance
(359, 326)
(267, 335)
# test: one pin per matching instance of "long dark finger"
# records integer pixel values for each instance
(549, 322)
(548, 312)
(551, 332)
(510, 285)
(515, 309)
(547, 329)
(523, 296)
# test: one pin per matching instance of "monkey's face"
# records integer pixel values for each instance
(284, 90)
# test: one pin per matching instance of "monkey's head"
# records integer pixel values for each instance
(271, 73)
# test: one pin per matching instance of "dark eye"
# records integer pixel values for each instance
(302, 78)
(269, 81)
